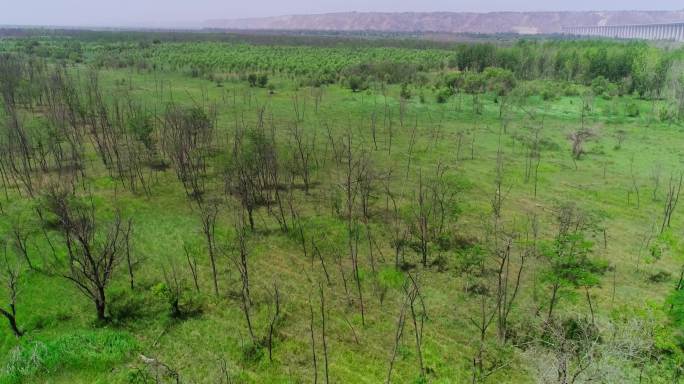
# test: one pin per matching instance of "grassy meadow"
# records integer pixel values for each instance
(498, 168)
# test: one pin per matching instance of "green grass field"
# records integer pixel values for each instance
(614, 181)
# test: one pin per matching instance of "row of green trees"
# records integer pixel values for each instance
(632, 66)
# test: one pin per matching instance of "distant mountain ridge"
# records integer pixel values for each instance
(450, 22)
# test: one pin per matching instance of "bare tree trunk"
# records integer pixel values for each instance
(313, 343)
(325, 345)
(274, 321)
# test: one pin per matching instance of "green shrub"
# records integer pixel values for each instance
(405, 91)
(443, 95)
(600, 85)
(262, 80)
(632, 110)
(356, 83)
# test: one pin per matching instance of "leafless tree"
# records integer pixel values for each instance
(578, 139)
(10, 278)
(173, 289)
(401, 322)
(209, 213)
(240, 261)
(188, 134)
(323, 335)
(93, 252)
(418, 316)
(671, 200)
(353, 167)
(655, 178)
(303, 156)
(274, 320)
(399, 232)
(314, 360)
(192, 264)
(635, 184)
(432, 210)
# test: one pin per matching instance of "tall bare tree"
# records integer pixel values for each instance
(94, 250)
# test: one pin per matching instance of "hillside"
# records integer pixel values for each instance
(494, 22)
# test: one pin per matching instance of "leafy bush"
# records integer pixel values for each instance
(405, 92)
(632, 110)
(443, 95)
(257, 80)
(356, 83)
(600, 85)
(262, 80)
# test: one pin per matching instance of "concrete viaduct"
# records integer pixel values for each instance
(671, 32)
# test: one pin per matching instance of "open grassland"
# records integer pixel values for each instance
(499, 167)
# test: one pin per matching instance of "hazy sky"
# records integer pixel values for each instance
(169, 12)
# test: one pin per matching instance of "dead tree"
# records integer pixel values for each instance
(323, 335)
(578, 139)
(418, 316)
(671, 200)
(575, 346)
(253, 174)
(399, 232)
(433, 208)
(318, 253)
(160, 370)
(209, 213)
(635, 184)
(508, 285)
(484, 318)
(352, 169)
(314, 360)
(93, 252)
(20, 240)
(303, 155)
(173, 289)
(188, 134)
(274, 321)
(11, 279)
(423, 217)
(130, 262)
(655, 178)
(240, 261)
(192, 264)
(401, 322)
